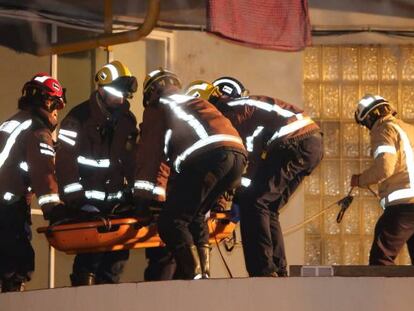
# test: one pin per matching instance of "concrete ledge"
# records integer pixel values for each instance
(293, 294)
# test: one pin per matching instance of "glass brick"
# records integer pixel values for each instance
(330, 65)
(350, 63)
(330, 107)
(330, 225)
(350, 134)
(332, 251)
(313, 251)
(366, 245)
(389, 66)
(369, 63)
(371, 211)
(331, 138)
(407, 101)
(352, 251)
(312, 207)
(349, 168)
(350, 98)
(331, 178)
(403, 257)
(365, 142)
(407, 63)
(351, 219)
(312, 100)
(390, 92)
(312, 182)
(311, 67)
(368, 88)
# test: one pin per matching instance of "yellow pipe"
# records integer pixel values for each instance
(108, 39)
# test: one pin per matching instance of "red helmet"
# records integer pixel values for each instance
(44, 86)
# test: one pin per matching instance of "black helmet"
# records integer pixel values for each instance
(231, 87)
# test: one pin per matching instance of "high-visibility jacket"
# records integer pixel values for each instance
(96, 154)
(27, 161)
(175, 131)
(392, 143)
(263, 123)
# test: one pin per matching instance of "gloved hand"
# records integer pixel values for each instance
(355, 181)
(58, 213)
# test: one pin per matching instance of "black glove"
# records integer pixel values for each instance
(58, 214)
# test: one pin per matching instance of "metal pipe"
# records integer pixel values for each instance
(107, 40)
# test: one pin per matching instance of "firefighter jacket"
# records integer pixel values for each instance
(175, 131)
(265, 123)
(392, 143)
(96, 154)
(27, 161)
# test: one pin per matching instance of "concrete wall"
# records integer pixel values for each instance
(282, 294)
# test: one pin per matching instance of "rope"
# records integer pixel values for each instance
(221, 254)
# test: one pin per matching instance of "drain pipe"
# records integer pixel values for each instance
(108, 39)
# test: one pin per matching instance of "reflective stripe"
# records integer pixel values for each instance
(95, 194)
(101, 195)
(249, 139)
(43, 145)
(262, 105)
(49, 198)
(113, 70)
(234, 84)
(8, 196)
(368, 101)
(72, 134)
(290, 128)
(246, 182)
(24, 166)
(72, 187)
(113, 91)
(149, 186)
(94, 163)
(167, 138)
(384, 149)
(68, 140)
(47, 152)
(409, 158)
(202, 143)
(153, 73)
(12, 139)
(9, 126)
(41, 78)
(181, 114)
(115, 196)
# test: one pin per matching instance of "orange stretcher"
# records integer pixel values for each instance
(124, 233)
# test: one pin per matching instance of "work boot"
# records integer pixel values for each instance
(80, 279)
(11, 285)
(188, 262)
(204, 254)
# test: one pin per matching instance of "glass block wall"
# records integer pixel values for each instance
(335, 77)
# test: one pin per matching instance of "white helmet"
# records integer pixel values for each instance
(367, 104)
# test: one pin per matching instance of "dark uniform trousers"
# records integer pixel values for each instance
(106, 266)
(394, 228)
(16, 252)
(193, 192)
(276, 178)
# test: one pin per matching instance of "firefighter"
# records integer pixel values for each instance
(284, 146)
(188, 142)
(95, 164)
(26, 167)
(392, 143)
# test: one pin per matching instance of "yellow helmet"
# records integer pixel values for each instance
(116, 78)
(202, 89)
